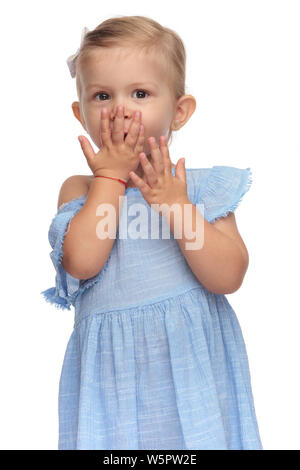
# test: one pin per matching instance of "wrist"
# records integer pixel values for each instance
(167, 211)
(121, 181)
(112, 174)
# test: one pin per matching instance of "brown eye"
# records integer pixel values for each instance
(101, 94)
(142, 92)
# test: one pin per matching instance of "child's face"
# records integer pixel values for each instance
(108, 78)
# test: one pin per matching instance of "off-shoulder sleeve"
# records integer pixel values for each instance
(66, 286)
(222, 191)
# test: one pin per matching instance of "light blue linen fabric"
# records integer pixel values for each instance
(155, 360)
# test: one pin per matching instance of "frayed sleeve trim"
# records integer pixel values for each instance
(66, 287)
(59, 302)
(225, 188)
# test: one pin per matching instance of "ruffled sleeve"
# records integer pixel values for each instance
(66, 286)
(222, 191)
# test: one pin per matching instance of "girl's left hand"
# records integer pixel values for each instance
(161, 187)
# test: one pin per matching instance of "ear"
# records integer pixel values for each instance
(77, 114)
(185, 107)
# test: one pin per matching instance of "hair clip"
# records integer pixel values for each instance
(71, 61)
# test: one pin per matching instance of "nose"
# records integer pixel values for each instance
(127, 113)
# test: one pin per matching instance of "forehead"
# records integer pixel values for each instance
(122, 64)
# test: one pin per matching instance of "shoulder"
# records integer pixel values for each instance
(73, 187)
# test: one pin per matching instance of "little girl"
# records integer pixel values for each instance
(156, 359)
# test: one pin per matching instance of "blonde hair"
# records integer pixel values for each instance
(146, 34)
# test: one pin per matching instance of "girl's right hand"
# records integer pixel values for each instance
(117, 157)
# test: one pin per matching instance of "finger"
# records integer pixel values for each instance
(141, 184)
(140, 141)
(165, 153)
(104, 127)
(180, 170)
(134, 129)
(148, 170)
(158, 162)
(118, 127)
(86, 148)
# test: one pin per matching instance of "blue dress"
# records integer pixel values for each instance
(155, 360)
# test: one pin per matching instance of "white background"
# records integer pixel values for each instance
(243, 69)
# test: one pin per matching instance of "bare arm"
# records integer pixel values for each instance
(72, 187)
(85, 254)
(221, 263)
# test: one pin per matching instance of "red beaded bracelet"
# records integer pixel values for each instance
(110, 177)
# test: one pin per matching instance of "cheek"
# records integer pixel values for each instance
(155, 124)
(93, 122)
(155, 128)
(160, 128)
(94, 117)
(93, 129)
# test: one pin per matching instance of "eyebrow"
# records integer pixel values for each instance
(132, 84)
